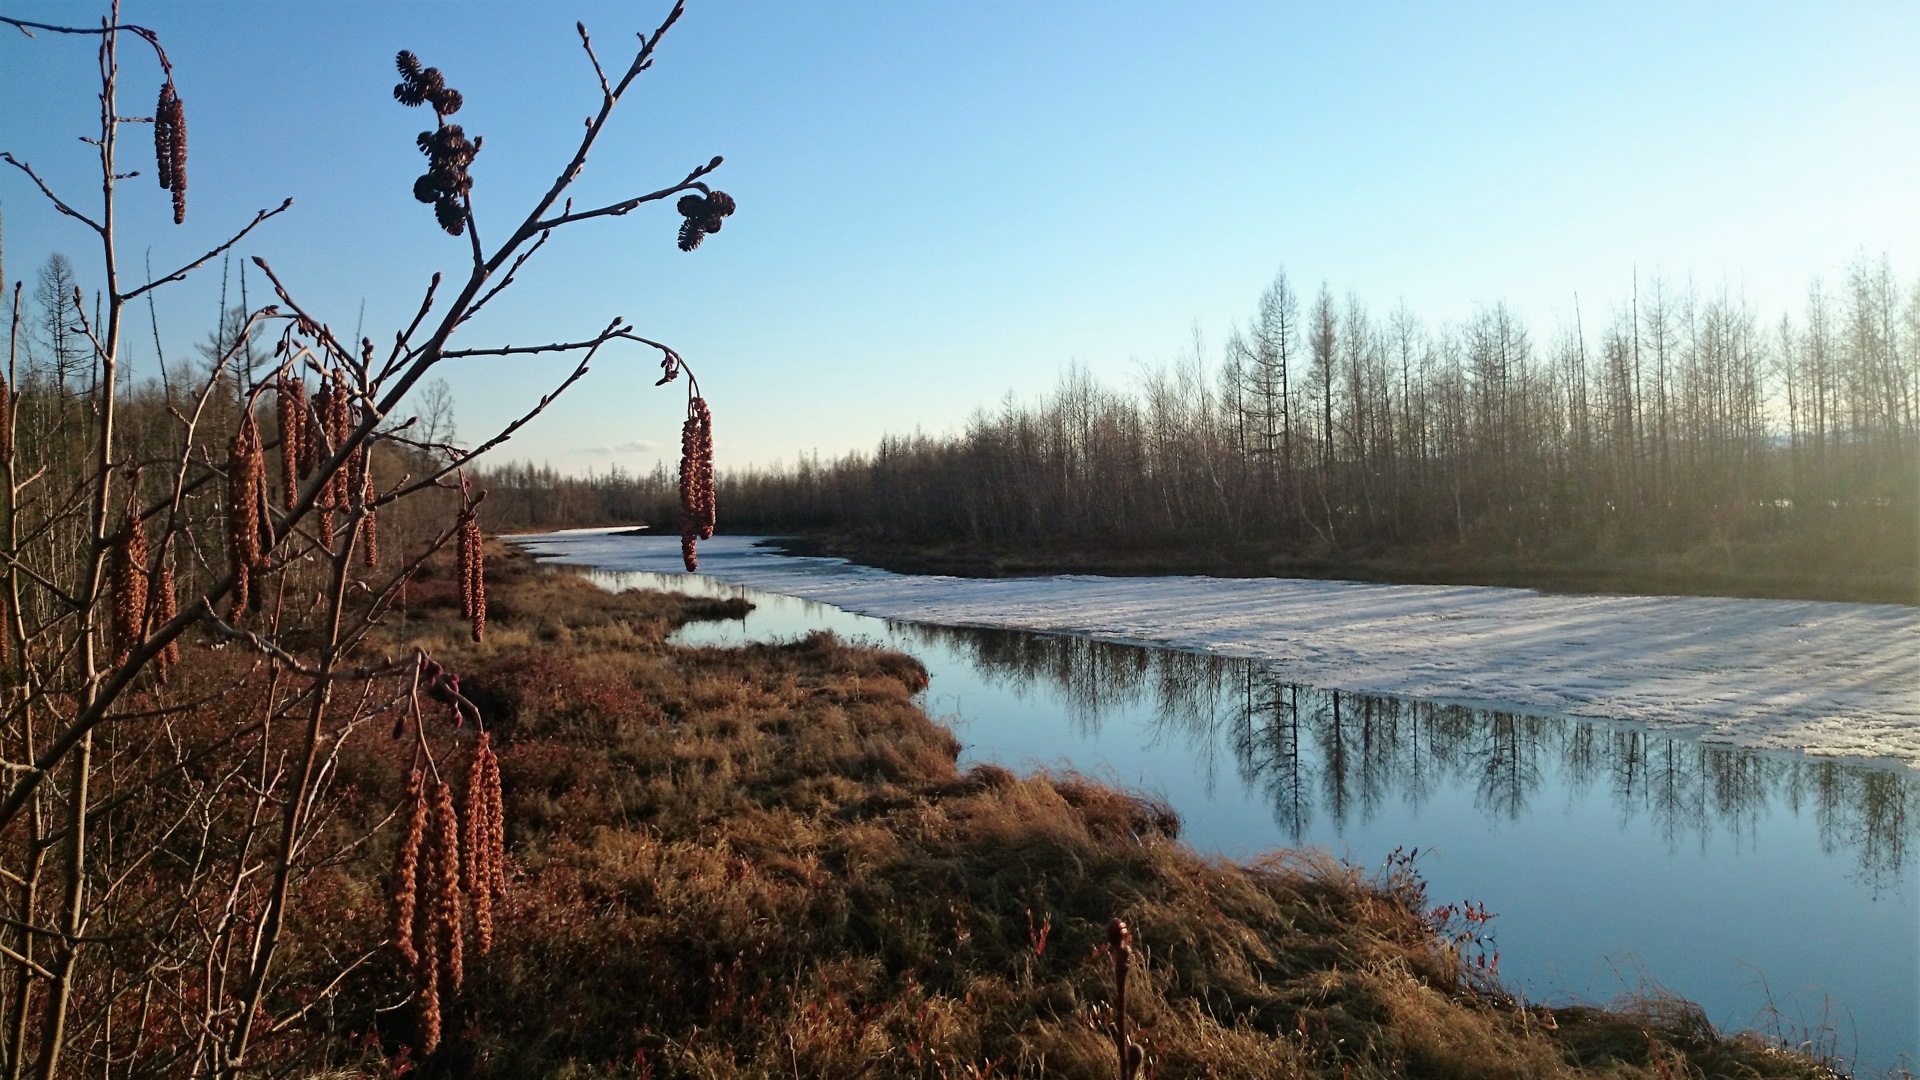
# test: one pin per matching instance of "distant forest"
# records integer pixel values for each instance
(1681, 425)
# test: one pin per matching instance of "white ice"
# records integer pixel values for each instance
(1826, 678)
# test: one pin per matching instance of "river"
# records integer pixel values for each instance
(1777, 889)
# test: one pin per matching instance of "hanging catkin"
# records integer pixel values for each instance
(473, 576)
(323, 445)
(445, 893)
(426, 981)
(165, 607)
(370, 528)
(170, 147)
(406, 873)
(246, 481)
(6, 421)
(336, 419)
(483, 854)
(697, 513)
(290, 394)
(128, 578)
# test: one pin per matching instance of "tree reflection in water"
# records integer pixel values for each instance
(1340, 754)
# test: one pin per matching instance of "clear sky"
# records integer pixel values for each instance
(942, 203)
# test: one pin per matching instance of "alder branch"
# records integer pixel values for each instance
(26, 27)
(58, 203)
(599, 72)
(547, 399)
(395, 359)
(320, 330)
(692, 182)
(518, 262)
(196, 264)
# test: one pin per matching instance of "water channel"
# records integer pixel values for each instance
(1779, 891)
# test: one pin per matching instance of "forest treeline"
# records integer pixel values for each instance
(1682, 426)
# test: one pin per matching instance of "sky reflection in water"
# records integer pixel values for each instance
(1616, 857)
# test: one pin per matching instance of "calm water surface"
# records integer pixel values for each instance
(1778, 891)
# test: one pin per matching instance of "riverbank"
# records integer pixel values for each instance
(764, 862)
(1839, 569)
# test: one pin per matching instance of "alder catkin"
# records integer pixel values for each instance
(339, 425)
(496, 829)
(445, 868)
(163, 137)
(6, 421)
(128, 579)
(165, 607)
(406, 873)
(479, 866)
(370, 528)
(708, 510)
(427, 988)
(290, 393)
(473, 576)
(170, 147)
(697, 510)
(246, 481)
(323, 444)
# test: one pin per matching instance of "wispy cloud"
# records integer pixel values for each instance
(634, 446)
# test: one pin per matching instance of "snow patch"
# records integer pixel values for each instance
(1826, 678)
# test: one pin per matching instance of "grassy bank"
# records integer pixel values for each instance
(1847, 568)
(764, 862)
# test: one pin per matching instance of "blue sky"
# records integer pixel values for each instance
(944, 203)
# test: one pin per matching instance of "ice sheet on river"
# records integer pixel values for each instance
(1828, 678)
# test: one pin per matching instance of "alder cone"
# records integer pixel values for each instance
(704, 214)
(690, 234)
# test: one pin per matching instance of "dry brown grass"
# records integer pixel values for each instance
(764, 862)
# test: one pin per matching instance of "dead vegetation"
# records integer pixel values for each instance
(764, 862)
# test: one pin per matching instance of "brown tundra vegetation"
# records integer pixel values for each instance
(765, 862)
